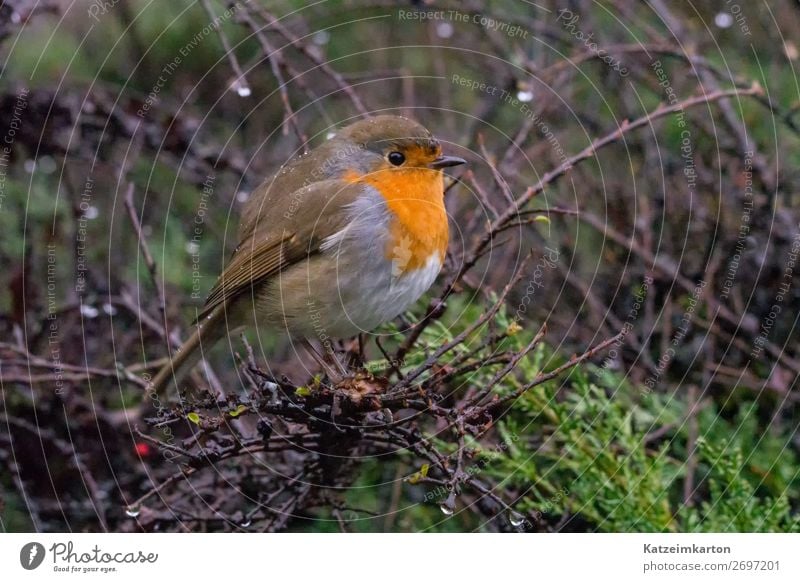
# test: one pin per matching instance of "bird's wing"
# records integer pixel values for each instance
(282, 231)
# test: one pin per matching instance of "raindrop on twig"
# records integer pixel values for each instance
(241, 87)
(448, 506)
(516, 519)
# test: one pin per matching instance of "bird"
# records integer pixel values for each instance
(336, 242)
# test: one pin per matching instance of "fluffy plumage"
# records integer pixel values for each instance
(334, 243)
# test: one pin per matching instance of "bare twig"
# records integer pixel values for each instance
(240, 81)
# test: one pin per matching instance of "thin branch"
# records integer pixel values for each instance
(240, 84)
(148, 258)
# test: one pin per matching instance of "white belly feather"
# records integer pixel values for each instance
(355, 286)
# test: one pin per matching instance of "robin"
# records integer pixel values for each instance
(335, 243)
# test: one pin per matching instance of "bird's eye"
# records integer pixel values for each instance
(396, 158)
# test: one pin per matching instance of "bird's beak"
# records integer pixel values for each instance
(446, 162)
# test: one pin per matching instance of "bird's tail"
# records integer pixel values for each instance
(207, 333)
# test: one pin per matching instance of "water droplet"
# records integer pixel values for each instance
(89, 312)
(192, 247)
(321, 37)
(444, 30)
(241, 87)
(242, 196)
(525, 96)
(246, 523)
(516, 519)
(723, 20)
(109, 309)
(30, 166)
(449, 505)
(330, 135)
(132, 511)
(16, 18)
(91, 213)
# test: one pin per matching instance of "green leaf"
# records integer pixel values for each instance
(239, 410)
(419, 475)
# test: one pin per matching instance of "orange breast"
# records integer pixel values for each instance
(415, 197)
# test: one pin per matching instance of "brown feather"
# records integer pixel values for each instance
(308, 216)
